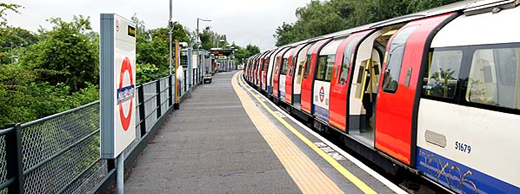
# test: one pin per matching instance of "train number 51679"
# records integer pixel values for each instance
(463, 147)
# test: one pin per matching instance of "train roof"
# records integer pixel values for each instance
(468, 7)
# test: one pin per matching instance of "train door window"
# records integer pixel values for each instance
(307, 66)
(283, 71)
(441, 79)
(276, 65)
(347, 60)
(266, 65)
(329, 67)
(322, 68)
(494, 77)
(395, 59)
(291, 70)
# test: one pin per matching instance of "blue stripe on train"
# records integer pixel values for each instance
(321, 113)
(458, 177)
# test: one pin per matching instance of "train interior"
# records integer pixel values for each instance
(365, 83)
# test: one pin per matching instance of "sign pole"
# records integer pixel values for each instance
(121, 173)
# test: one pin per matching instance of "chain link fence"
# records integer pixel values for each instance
(61, 153)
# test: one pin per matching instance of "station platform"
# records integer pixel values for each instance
(227, 138)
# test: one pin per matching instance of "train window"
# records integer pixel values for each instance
(330, 67)
(307, 66)
(292, 66)
(266, 65)
(322, 67)
(395, 59)
(493, 78)
(283, 71)
(347, 59)
(275, 70)
(441, 78)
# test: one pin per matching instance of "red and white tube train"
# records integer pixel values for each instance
(436, 92)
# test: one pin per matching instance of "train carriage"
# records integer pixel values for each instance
(309, 76)
(293, 77)
(280, 61)
(324, 73)
(273, 61)
(436, 92)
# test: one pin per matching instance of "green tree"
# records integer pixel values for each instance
(319, 18)
(152, 48)
(210, 39)
(65, 54)
(252, 49)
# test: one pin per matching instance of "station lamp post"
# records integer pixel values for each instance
(198, 33)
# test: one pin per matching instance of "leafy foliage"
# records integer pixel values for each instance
(153, 50)
(58, 68)
(210, 39)
(23, 98)
(319, 18)
(65, 55)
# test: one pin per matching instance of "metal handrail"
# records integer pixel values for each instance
(7, 183)
(6, 131)
(78, 176)
(31, 123)
(36, 166)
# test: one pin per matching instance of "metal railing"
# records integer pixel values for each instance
(60, 153)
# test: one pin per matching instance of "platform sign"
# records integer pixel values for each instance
(118, 90)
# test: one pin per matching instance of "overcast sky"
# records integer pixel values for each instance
(243, 21)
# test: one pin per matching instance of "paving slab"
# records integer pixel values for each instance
(209, 146)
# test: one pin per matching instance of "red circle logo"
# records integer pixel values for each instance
(322, 94)
(125, 119)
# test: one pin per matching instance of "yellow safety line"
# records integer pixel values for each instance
(347, 174)
(306, 174)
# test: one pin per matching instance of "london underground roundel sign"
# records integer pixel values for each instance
(322, 94)
(118, 91)
(126, 93)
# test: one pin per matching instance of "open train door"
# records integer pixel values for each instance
(341, 78)
(399, 92)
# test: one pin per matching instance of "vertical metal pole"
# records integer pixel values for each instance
(170, 91)
(190, 70)
(198, 37)
(158, 97)
(176, 105)
(142, 114)
(121, 173)
(170, 35)
(13, 149)
(171, 11)
(203, 58)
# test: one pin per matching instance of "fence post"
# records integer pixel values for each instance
(196, 80)
(185, 82)
(142, 114)
(170, 90)
(158, 96)
(13, 149)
